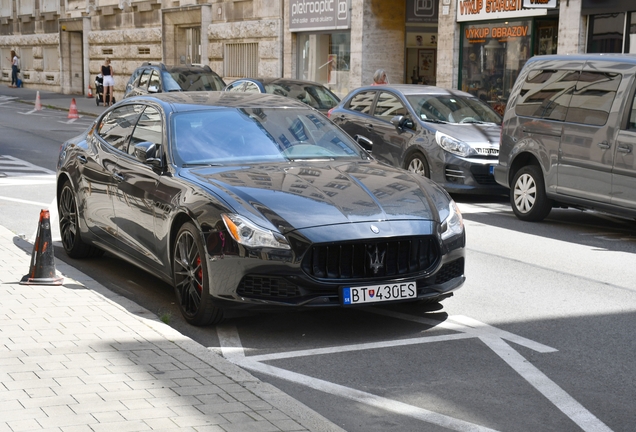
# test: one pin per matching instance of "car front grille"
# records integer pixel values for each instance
(267, 287)
(373, 260)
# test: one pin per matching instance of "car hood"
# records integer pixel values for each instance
(488, 133)
(299, 195)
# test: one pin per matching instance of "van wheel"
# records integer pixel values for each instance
(528, 198)
(191, 282)
(416, 163)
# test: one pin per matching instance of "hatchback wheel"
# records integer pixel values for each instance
(72, 241)
(416, 163)
(528, 198)
(190, 275)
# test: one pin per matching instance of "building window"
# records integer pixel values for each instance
(51, 59)
(606, 33)
(241, 60)
(325, 58)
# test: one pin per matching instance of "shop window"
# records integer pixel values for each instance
(606, 33)
(325, 58)
(362, 102)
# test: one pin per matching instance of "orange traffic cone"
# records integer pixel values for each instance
(72, 112)
(90, 92)
(42, 270)
(38, 103)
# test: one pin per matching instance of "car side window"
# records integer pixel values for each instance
(389, 106)
(236, 86)
(546, 94)
(362, 102)
(155, 81)
(149, 129)
(592, 99)
(133, 79)
(117, 127)
(631, 122)
(145, 77)
(250, 87)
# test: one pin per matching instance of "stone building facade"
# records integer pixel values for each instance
(63, 43)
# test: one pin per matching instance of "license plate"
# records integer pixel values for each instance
(379, 293)
(492, 169)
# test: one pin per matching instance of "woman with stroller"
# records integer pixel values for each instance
(109, 82)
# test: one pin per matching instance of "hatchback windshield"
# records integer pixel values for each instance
(314, 96)
(226, 136)
(453, 109)
(189, 80)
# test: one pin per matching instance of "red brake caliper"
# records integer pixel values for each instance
(199, 276)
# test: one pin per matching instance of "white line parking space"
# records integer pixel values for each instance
(462, 327)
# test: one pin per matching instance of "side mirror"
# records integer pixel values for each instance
(146, 152)
(402, 122)
(365, 142)
(153, 89)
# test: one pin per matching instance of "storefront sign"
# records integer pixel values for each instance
(479, 35)
(548, 4)
(421, 11)
(476, 10)
(307, 15)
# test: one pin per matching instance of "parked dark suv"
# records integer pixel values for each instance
(157, 78)
(568, 136)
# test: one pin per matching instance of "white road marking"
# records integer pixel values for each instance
(466, 327)
(21, 201)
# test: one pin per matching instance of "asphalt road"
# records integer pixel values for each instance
(540, 338)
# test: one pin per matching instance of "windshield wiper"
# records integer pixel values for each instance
(428, 120)
(200, 164)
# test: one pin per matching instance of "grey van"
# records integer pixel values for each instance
(568, 136)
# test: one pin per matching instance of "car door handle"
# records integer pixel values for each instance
(604, 145)
(118, 177)
(624, 148)
(82, 159)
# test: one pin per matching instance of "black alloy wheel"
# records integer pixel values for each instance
(190, 275)
(416, 163)
(528, 197)
(69, 228)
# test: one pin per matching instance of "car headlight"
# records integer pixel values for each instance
(453, 145)
(453, 224)
(248, 234)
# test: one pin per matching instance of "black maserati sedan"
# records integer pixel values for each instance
(254, 200)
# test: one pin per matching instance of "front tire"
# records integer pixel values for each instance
(416, 163)
(190, 276)
(72, 241)
(528, 198)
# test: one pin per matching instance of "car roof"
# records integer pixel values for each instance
(177, 68)
(193, 100)
(619, 58)
(416, 89)
(282, 81)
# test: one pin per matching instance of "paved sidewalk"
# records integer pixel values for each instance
(78, 357)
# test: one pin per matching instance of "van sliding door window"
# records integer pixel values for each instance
(593, 97)
(546, 94)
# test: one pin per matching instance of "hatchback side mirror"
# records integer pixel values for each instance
(153, 89)
(401, 122)
(365, 142)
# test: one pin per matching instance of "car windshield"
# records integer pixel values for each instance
(230, 136)
(192, 80)
(315, 96)
(452, 109)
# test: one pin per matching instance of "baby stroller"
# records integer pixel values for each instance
(99, 90)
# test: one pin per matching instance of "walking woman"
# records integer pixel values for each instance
(14, 69)
(109, 82)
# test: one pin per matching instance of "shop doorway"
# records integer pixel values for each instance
(72, 62)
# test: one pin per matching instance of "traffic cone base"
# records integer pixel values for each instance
(90, 92)
(72, 112)
(42, 269)
(38, 103)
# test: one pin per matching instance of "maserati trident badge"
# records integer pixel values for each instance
(376, 260)
(375, 229)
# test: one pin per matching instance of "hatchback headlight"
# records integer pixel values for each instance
(453, 145)
(454, 223)
(248, 234)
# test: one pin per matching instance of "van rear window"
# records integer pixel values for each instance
(572, 96)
